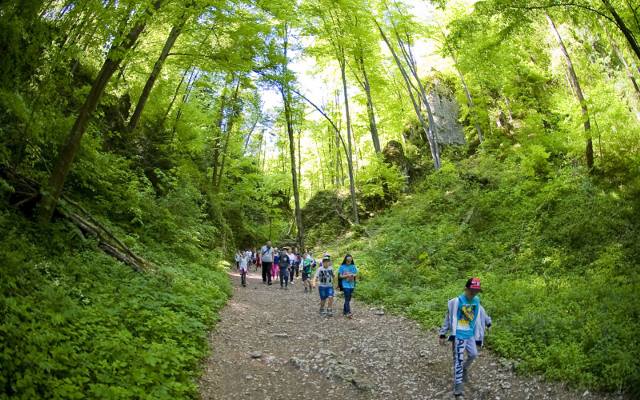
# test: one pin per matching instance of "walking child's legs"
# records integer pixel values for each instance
(460, 365)
(243, 277)
(284, 277)
(347, 300)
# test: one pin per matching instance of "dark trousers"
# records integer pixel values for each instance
(284, 277)
(347, 300)
(266, 271)
(243, 277)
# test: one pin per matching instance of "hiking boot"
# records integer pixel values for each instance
(323, 311)
(330, 312)
(349, 315)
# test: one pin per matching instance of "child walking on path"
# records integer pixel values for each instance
(347, 273)
(284, 269)
(465, 322)
(306, 272)
(324, 280)
(244, 266)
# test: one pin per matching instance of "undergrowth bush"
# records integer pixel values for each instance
(75, 323)
(556, 251)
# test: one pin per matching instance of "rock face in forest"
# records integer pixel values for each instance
(393, 153)
(446, 113)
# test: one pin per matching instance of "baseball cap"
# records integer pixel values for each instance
(473, 284)
(326, 257)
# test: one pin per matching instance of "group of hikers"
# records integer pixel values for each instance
(465, 321)
(285, 264)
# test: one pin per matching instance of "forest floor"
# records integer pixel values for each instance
(273, 344)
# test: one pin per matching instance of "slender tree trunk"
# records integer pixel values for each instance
(153, 76)
(175, 94)
(219, 131)
(623, 28)
(67, 154)
(352, 183)
(578, 91)
(235, 114)
(287, 100)
(299, 160)
(185, 98)
(624, 63)
(408, 56)
(373, 127)
(427, 134)
(467, 92)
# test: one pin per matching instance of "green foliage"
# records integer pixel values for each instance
(379, 184)
(76, 324)
(556, 256)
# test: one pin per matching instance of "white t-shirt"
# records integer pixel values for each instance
(324, 276)
(244, 261)
(267, 254)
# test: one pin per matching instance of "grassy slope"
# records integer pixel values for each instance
(76, 324)
(557, 256)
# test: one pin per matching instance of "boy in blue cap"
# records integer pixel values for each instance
(465, 321)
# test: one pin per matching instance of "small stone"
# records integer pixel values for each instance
(378, 312)
(505, 385)
(281, 335)
(256, 354)
(248, 377)
(585, 394)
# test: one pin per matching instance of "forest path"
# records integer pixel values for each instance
(273, 344)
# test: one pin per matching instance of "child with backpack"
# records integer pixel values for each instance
(306, 272)
(324, 280)
(465, 322)
(347, 274)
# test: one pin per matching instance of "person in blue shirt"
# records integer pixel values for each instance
(347, 274)
(465, 322)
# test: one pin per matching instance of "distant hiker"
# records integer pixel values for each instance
(465, 322)
(266, 254)
(296, 265)
(347, 274)
(306, 272)
(237, 257)
(292, 265)
(275, 267)
(283, 264)
(244, 266)
(324, 280)
(258, 260)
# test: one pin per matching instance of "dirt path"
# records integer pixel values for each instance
(273, 344)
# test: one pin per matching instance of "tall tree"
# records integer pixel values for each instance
(117, 52)
(575, 84)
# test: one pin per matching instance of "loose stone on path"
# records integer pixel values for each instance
(272, 344)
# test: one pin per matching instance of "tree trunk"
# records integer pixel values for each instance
(426, 136)
(352, 183)
(433, 141)
(578, 91)
(287, 100)
(373, 127)
(467, 92)
(68, 152)
(235, 113)
(218, 131)
(623, 61)
(623, 27)
(175, 94)
(153, 76)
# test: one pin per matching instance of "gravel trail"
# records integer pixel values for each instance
(273, 344)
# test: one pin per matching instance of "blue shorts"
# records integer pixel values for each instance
(325, 291)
